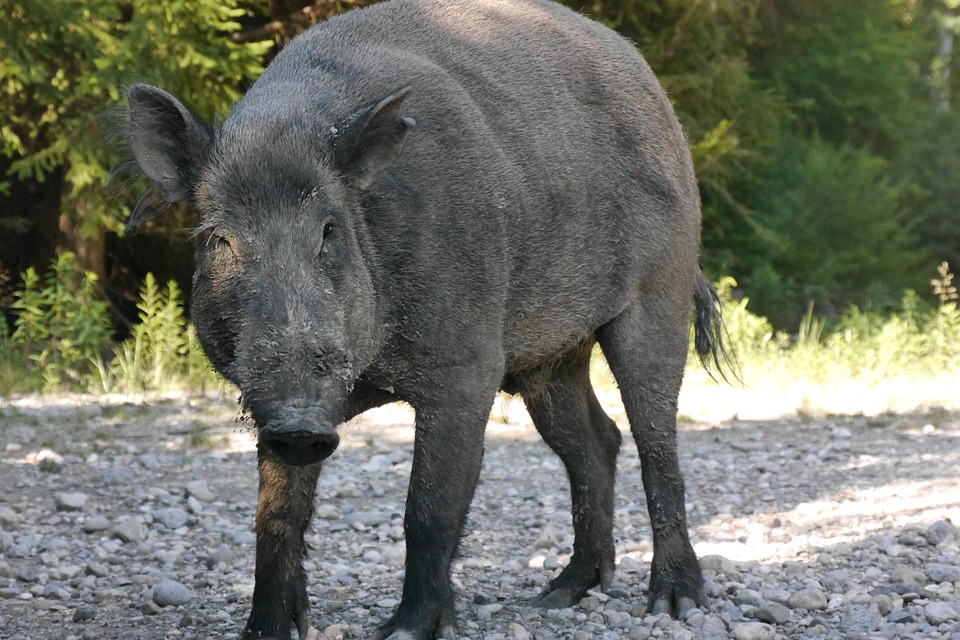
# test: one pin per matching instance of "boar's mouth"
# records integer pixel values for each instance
(299, 442)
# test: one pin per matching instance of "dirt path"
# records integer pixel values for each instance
(102, 499)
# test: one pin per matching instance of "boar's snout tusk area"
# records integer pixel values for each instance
(300, 443)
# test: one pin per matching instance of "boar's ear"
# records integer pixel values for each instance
(368, 142)
(168, 144)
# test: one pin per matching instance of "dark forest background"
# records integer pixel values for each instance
(826, 133)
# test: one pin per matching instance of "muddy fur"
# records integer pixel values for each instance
(428, 201)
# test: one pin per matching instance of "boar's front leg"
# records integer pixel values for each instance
(448, 451)
(284, 509)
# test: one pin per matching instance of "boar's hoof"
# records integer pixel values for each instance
(300, 443)
(676, 582)
(447, 633)
(441, 627)
(572, 584)
(663, 605)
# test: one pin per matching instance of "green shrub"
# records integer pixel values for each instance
(62, 324)
(162, 352)
(918, 340)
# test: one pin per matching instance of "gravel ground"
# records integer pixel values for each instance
(125, 518)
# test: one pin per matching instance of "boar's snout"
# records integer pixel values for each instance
(300, 442)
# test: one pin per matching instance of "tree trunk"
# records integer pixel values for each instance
(90, 249)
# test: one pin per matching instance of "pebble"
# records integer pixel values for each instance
(858, 620)
(9, 519)
(940, 531)
(908, 575)
(367, 518)
(131, 530)
(753, 631)
(809, 599)
(939, 612)
(773, 612)
(630, 565)
(943, 572)
(70, 501)
(171, 517)
(95, 523)
(170, 593)
(199, 490)
(84, 613)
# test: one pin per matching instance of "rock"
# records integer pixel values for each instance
(95, 523)
(630, 565)
(858, 620)
(718, 564)
(899, 616)
(638, 633)
(334, 631)
(150, 608)
(9, 518)
(748, 597)
(172, 517)
(884, 604)
(367, 518)
(485, 612)
(170, 593)
(908, 575)
(943, 573)
(70, 501)
(149, 460)
(516, 632)
(940, 531)
(194, 505)
(25, 573)
(239, 538)
(223, 554)
(753, 631)
(199, 490)
(131, 530)
(84, 613)
(809, 599)
(590, 603)
(937, 613)
(773, 612)
(327, 512)
(372, 555)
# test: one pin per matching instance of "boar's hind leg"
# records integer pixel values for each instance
(448, 451)
(646, 348)
(284, 509)
(571, 421)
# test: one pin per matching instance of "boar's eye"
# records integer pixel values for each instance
(328, 229)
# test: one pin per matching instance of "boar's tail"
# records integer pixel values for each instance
(710, 332)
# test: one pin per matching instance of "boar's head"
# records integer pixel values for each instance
(285, 297)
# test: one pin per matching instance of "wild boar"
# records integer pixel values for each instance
(429, 201)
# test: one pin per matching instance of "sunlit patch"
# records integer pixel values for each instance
(845, 517)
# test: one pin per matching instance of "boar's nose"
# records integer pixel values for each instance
(300, 442)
